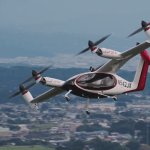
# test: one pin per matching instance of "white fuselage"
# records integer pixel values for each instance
(120, 87)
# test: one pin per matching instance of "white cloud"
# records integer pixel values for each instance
(67, 61)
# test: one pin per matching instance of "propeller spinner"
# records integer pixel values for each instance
(144, 27)
(92, 45)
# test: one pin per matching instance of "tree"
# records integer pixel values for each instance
(123, 127)
(44, 107)
(144, 147)
(90, 128)
(127, 113)
(84, 121)
(141, 125)
(133, 145)
(96, 143)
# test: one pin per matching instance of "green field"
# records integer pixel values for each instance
(42, 126)
(24, 148)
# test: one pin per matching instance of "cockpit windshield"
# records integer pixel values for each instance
(86, 77)
(97, 81)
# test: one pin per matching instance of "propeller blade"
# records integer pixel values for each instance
(30, 85)
(29, 79)
(135, 32)
(143, 24)
(102, 39)
(85, 50)
(94, 44)
(17, 93)
(42, 71)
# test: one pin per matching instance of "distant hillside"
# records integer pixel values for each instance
(10, 78)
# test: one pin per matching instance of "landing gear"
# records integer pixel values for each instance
(115, 98)
(67, 98)
(87, 110)
(66, 95)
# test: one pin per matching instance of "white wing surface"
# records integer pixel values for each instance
(47, 95)
(113, 65)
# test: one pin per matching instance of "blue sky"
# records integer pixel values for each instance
(86, 16)
(79, 20)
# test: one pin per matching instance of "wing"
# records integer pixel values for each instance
(115, 64)
(49, 94)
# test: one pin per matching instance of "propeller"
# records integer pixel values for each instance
(36, 74)
(92, 45)
(22, 89)
(144, 26)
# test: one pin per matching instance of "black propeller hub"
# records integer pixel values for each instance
(34, 73)
(22, 88)
(144, 24)
(91, 44)
(92, 69)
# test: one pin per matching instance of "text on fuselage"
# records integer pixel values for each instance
(124, 83)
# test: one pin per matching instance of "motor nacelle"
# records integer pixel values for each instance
(146, 29)
(52, 82)
(28, 97)
(108, 53)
